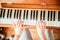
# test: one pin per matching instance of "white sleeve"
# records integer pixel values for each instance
(17, 30)
(40, 33)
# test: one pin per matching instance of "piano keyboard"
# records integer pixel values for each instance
(29, 16)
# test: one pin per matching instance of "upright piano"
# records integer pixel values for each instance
(30, 12)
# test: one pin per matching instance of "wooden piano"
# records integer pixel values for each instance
(30, 11)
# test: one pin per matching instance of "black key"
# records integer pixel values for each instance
(20, 14)
(4, 13)
(17, 13)
(51, 16)
(24, 14)
(41, 15)
(36, 14)
(54, 16)
(31, 14)
(48, 15)
(14, 13)
(27, 14)
(1, 12)
(10, 13)
(58, 15)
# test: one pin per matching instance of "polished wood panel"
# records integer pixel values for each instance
(31, 26)
(31, 1)
(34, 4)
(9, 31)
(57, 34)
(31, 6)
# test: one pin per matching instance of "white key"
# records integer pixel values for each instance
(22, 14)
(56, 18)
(12, 13)
(6, 13)
(29, 14)
(39, 13)
(46, 15)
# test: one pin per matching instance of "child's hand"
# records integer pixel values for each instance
(18, 27)
(41, 28)
(41, 25)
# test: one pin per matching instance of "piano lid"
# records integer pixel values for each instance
(43, 4)
(31, 1)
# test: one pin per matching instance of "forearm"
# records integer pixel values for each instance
(44, 36)
(18, 29)
(17, 36)
(41, 34)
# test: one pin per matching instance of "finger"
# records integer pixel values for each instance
(40, 24)
(44, 24)
(21, 22)
(14, 24)
(18, 23)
